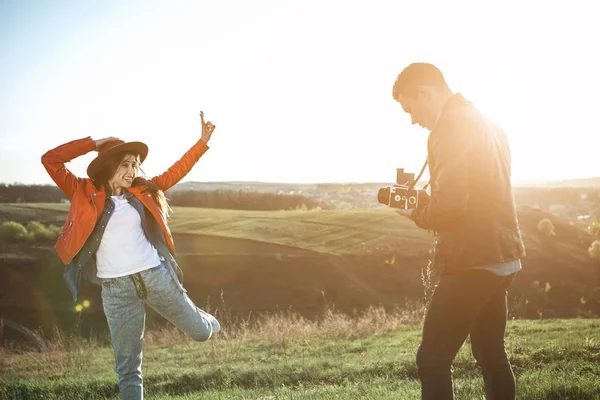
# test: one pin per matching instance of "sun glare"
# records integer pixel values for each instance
(503, 101)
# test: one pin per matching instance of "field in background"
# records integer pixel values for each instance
(308, 260)
(325, 231)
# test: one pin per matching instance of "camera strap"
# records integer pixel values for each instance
(419, 176)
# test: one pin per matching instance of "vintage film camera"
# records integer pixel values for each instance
(402, 194)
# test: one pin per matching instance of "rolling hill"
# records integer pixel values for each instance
(253, 262)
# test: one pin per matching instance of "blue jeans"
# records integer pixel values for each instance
(466, 303)
(124, 300)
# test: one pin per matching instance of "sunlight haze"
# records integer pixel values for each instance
(299, 91)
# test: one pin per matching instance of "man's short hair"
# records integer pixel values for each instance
(415, 75)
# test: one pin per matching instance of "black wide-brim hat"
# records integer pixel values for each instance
(111, 148)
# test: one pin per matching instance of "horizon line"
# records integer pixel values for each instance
(515, 182)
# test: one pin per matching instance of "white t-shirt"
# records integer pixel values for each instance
(124, 249)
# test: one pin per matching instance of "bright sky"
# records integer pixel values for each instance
(300, 91)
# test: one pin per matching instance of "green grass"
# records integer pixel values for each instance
(371, 357)
(325, 231)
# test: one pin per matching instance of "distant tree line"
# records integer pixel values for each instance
(353, 187)
(243, 200)
(19, 193)
(226, 199)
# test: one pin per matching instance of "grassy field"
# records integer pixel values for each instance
(325, 231)
(337, 357)
(285, 357)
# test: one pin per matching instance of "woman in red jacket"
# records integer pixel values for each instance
(116, 235)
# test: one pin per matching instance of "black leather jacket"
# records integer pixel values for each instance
(471, 209)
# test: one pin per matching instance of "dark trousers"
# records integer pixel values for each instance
(470, 302)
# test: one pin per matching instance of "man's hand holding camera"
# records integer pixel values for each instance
(402, 196)
(406, 213)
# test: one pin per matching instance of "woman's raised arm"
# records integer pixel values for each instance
(182, 167)
(54, 161)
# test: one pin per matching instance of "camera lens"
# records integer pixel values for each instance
(383, 195)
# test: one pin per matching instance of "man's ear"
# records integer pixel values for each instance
(424, 93)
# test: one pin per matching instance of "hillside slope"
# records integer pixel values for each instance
(262, 261)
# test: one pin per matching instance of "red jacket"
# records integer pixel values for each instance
(87, 202)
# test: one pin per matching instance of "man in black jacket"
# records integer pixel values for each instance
(478, 242)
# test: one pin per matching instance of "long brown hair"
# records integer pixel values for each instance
(108, 171)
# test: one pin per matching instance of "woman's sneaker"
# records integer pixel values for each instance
(215, 324)
(216, 327)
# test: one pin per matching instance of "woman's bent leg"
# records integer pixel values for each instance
(165, 297)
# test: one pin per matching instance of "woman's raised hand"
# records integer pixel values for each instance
(207, 128)
(100, 142)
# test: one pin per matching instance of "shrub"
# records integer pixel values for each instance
(12, 232)
(594, 250)
(546, 227)
(40, 233)
(55, 230)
